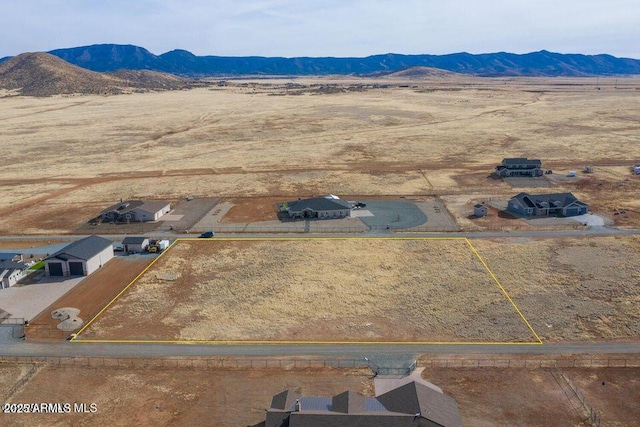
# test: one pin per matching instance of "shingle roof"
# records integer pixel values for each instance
(318, 204)
(133, 240)
(416, 398)
(129, 205)
(84, 248)
(553, 200)
(521, 161)
(397, 407)
(12, 265)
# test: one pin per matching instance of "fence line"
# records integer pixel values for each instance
(595, 418)
(22, 381)
(218, 362)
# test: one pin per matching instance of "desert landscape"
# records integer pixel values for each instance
(184, 396)
(332, 290)
(340, 135)
(240, 146)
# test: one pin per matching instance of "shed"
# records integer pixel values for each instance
(133, 244)
(480, 210)
(80, 258)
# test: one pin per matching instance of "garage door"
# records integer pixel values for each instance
(55, 269)
(75, 269)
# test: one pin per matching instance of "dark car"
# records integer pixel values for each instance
(207, 235)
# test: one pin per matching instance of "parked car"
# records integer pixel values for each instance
(207, 235)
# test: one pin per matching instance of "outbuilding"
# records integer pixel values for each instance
(80, 258)
(135, 244)
(480, 210)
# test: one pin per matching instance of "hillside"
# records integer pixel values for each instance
(417, 73)
(111, 57)
(42, 74)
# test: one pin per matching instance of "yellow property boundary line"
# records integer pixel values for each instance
(288, 342)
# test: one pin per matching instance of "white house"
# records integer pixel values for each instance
(11, 272)
(135, 244)
(80, 258)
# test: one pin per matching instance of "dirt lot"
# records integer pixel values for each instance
(376, 141)
(175, 397)
(353, 290)
(237, 398)
(89, 296)
(494, 396)
(571, 289)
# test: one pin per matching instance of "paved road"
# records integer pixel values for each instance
(11, 347)
(585, 232)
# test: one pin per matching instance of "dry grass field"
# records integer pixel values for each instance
(572, 289)
(179, 396)
(68, 156)
(315, 290)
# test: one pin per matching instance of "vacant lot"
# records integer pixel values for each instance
(572, 289)
(305, 290)
(440, 137)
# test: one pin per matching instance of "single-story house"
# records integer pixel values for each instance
(565, 204)
(519, 166)
(80, 258)
(136, 211)
(317, 207)
(135, 244)
(409, 405)
(480, 210)
(11, 272)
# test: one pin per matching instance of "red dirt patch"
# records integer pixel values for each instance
(252, 209)
(90, 296)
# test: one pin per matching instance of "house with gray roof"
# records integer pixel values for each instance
(11, 272)
(80, 258)
(413, 404)
(554, 204)
(317, 207)
(519, 166)
(135, 211)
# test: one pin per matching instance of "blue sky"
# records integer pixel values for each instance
(325, 27)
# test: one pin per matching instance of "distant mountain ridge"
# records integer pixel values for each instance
(112, 57)
(42, 74)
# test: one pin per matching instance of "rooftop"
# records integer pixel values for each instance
(129, 205)
(83, 249)
(318, 204)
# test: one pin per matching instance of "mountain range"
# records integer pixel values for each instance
(112, 57)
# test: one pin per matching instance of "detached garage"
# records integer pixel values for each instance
(80, 258)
